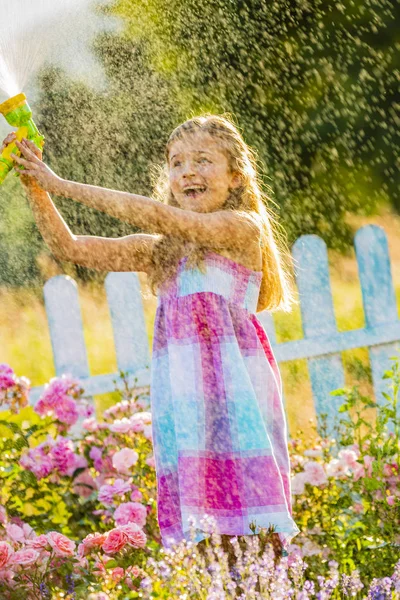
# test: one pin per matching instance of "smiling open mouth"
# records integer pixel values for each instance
(194, 192)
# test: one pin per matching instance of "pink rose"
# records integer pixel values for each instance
(121, 426)
(38, 543)
(26, 556)
(358, 471)
(368, 460)
(61, 545)
(15, 533)
(297, 483)
(93, 540)
(349, 457)
(337, 468)
(136, 536)
(148, 432)
(136, 495)
(124, 459)
(66, 411)
(117, 574)
(315, 473)
(131, 512)
(90, 424)
(115, 541)
(5, 553)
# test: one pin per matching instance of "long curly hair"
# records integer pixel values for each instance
(276, 292)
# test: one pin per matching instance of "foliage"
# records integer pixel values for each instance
(78, 512)
(312, 85)
(348, 497)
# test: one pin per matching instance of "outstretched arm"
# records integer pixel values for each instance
(220, 228)
(128, 253)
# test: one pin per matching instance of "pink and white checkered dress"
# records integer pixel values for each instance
(219, 427)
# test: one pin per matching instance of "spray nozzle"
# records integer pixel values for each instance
(17, 113)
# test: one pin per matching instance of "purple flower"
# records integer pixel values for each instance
(107, 492)
(380, 589)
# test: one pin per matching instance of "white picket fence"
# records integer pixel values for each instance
(321, 344)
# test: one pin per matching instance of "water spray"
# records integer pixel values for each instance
(17, 113)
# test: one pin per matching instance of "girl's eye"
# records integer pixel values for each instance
(203, 158)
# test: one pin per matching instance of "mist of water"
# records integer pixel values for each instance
(32, 32)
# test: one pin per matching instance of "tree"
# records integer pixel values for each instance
(311, 84)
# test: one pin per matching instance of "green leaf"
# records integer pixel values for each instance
(12, 426)
(28, 478)
(111, 564)
(20, 443)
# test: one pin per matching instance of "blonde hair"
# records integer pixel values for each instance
(276, 292)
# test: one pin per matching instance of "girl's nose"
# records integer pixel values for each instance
(188, 168)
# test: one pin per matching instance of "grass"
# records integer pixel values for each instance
(25, 340)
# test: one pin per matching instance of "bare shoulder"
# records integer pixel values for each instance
(243, 226)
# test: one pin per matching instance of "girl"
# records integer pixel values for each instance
(214, 259)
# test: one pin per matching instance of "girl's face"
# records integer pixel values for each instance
(199, 173)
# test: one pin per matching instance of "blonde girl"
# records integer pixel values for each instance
(214, 257)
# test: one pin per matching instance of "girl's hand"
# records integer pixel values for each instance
(7, 141)
(35, 171)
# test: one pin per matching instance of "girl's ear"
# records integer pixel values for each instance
(236, 180)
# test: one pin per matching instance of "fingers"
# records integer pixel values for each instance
(10, 138)
(21, 161)
(36, 151)
(27, 153)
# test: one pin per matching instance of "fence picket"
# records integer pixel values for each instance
(379, 299)
(312, 278)
(129, 326)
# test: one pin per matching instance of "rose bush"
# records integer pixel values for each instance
(78, 512)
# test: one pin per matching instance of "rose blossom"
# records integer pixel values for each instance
(115, 541)
(5, 553)
(39, 542)
(368, 460)
(136, 495)
(26, 556)
(61, 545)
(297, 483)
(15, 533)
(349, 457)
(124, 459)
(90, 424)
(337, 468)
(93, 540)
(66, 411)
(136, 536)
(148, 432)
(358, 471)
(315, 473)
(121, 426)
(131, 512)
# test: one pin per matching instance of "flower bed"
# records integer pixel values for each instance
(78, 516)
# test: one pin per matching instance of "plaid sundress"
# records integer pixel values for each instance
(218, 422)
